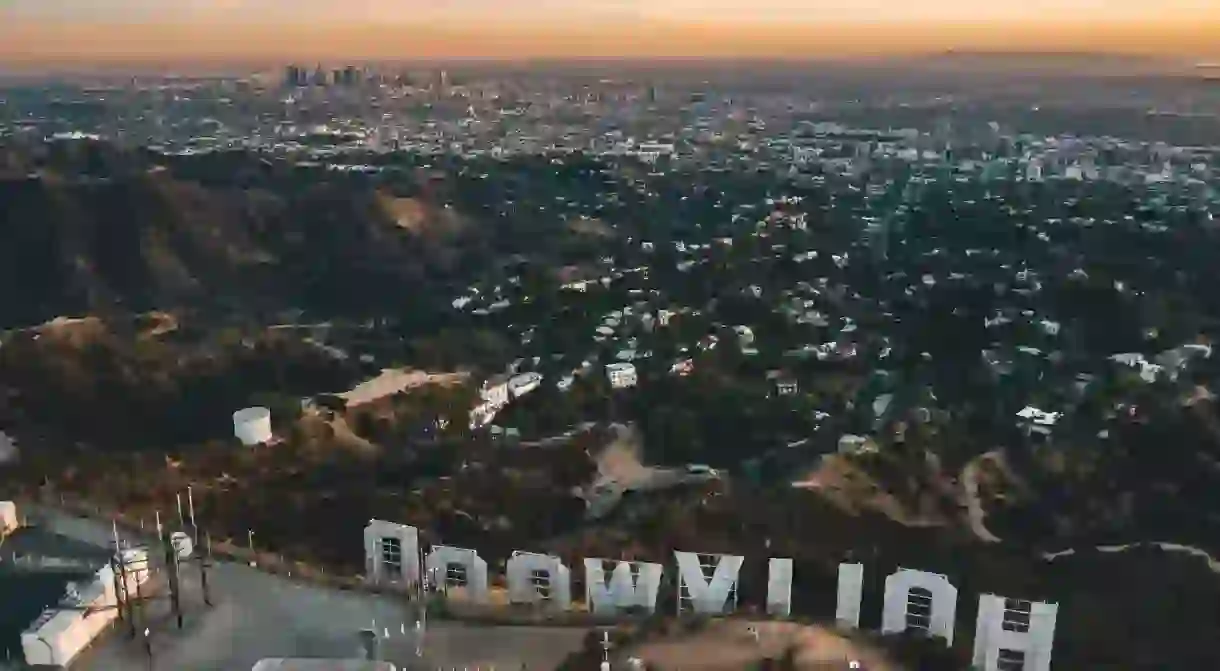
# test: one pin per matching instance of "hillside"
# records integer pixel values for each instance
(206, 283)
(138, 237)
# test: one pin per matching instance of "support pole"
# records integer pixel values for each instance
(205, 562)
(118, 589)
(127, 603)
(139, 603)
(171, 564)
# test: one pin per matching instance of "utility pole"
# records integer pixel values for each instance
(140, 589)
(205, 562)
(122, 598)
(190, 502)
(172, 565)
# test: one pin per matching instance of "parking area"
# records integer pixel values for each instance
(255, 615)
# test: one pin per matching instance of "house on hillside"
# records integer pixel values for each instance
(1033, 420)
(495, 391)
(853, 444)
(785, 384)
(8, 449)
(621, 375)
(520, 385)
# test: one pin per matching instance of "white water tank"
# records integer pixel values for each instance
(252, 426)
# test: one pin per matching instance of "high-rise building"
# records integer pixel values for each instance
(295, 76)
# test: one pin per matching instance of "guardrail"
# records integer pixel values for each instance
(456, 609)
(49, 564)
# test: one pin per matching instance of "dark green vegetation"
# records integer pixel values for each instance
(131, 410)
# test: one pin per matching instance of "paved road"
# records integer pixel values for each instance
(974, 505)
(256, 615)
(977, 517)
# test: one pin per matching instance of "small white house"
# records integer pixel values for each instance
(8, 448)
(621, 375)
(853, 444)
(785, 385)
(522, 384)
(495, 391)
(1033, 420)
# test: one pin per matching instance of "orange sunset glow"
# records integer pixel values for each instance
(230, 30)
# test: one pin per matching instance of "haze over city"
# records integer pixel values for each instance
(200, 31)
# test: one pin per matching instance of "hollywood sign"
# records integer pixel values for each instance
(1009, 634)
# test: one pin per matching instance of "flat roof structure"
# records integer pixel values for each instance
(35, 569)
(303, 664)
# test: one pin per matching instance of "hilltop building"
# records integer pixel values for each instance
(59, 594)
(621, 375)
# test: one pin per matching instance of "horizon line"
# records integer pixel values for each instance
(35, 42)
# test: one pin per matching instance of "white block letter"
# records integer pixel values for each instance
(707, 597)
(523, 587)
(779, 586)
(391, 552)
(851, 586)
(919, 600)
(443, 557)
(623, 590)
(1007, 626)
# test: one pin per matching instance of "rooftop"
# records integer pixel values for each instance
(35, 569)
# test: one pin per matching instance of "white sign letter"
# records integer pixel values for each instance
(623, 590)
(524, 571)
(391, 552)
(442, 558)
(707, 597)
(919, 600)
(779, 586)
(851, 586)
(1009, 629)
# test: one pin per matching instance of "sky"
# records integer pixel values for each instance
(67, 31)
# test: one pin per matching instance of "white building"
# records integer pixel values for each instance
(483, 413)
(495, 391)
(853, 444)
(85, 612)
(306, 664)
(8, 448)
(1033, 420)
(522, 384)
(621, 375)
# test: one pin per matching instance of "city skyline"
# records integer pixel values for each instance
(141, 31)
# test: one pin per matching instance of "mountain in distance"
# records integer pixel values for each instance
(1095, 63)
